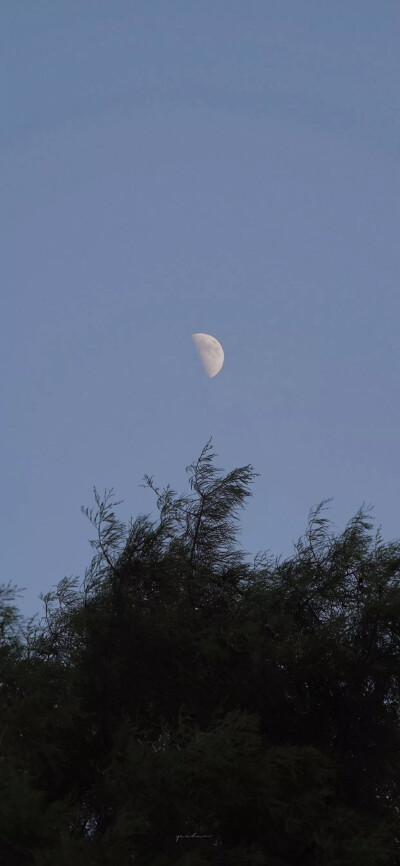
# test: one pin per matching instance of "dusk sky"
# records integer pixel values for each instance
(168, 168)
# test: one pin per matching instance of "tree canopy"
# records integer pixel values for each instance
(182, 705)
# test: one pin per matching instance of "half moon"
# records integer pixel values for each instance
(211, 353)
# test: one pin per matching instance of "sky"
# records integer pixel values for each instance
(168, 168)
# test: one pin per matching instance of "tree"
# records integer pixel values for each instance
(184, 706)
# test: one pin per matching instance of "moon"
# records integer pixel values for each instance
(211, 353)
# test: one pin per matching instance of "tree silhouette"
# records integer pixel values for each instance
(186, 706)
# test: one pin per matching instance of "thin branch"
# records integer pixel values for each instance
(197, 529)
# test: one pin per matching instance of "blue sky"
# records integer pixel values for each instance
(170, 168)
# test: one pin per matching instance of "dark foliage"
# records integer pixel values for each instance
(184, 706)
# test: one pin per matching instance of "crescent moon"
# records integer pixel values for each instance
(211, 353)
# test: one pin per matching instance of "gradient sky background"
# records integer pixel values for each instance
(173, 167)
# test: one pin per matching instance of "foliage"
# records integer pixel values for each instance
(184, 706)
